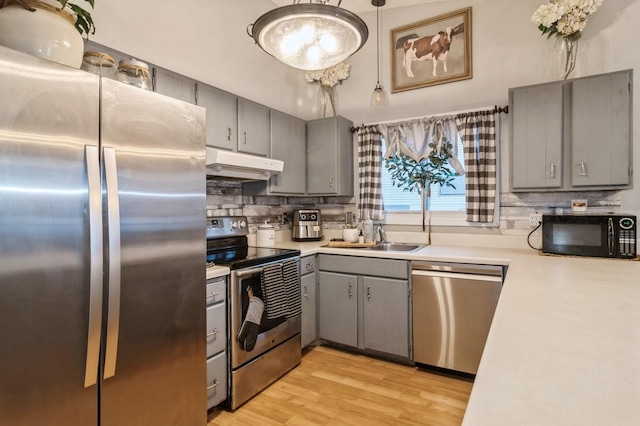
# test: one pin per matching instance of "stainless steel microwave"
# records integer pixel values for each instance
(590, 235)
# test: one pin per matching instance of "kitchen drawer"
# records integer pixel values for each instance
(216, 379)
(375, 267)
(307, 265)
(216, 290)
(216, 329)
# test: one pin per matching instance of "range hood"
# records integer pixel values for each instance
(241, 166)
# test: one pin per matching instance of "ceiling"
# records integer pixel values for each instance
(357, 6)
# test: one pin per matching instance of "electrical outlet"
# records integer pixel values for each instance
(535, 219)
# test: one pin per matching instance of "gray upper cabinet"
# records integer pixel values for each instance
(330, 157)
(572, 135)
(601, 130)
(288, 143)
(536, 132)
(174, 85)
(253, 128)
(222, 117)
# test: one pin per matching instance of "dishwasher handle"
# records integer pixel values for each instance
(462, 268)
(440, 274)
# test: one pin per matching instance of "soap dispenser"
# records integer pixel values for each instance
(368, 229)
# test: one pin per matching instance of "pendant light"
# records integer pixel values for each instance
(309, 36)
(379, 97)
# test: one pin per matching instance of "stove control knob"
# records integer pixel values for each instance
(234, 225)
(243, 224)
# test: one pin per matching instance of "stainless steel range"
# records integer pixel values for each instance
(264, 307)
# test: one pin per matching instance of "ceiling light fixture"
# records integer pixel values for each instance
(379, 98)
(310, 36)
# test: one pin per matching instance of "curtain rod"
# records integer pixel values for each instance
(498, 109)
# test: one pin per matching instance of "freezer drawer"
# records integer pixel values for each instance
(216, 379)
(452, 314)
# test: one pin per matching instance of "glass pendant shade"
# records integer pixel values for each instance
(379, 97)
(309, 36)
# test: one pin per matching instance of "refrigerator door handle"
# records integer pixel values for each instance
(95, 265)
(113, 218)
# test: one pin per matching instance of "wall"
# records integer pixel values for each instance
(209, 43)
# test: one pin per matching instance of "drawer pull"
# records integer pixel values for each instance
(212, 295)
(215, 383)
(213, 333)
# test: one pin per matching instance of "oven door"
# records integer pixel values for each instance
(579, 235)
(245, 283)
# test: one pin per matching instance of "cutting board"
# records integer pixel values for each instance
(344, 244)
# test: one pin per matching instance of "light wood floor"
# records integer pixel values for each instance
(332, 387)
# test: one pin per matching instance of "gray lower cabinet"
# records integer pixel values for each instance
(330, 157)
(572, 135)
(216, 296)
(365, 303)
(309, 283)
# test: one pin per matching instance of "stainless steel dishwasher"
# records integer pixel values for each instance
(453, 306)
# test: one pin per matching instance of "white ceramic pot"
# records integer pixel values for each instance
(350, 235)
(266, 236)
(41, 33)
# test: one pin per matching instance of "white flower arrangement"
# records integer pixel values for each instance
(329, 76)
(564, 18)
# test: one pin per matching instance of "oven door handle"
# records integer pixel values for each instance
(246, 272)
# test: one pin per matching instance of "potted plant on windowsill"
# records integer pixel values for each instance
(50, 29)
(418, 175)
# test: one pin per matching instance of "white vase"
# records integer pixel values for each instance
(41, 33)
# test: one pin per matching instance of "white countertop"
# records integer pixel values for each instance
(564, 345)
(217, 271)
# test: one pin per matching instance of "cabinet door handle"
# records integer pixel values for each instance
(330, 181)
(583, 168)
(368, 292)
(275, 179)
(350, 293)
(215, 383)
(229, 133)
(552, 171)
(245, 136)
(305, 291)
(213, 333)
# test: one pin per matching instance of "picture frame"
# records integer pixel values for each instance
(413, 47)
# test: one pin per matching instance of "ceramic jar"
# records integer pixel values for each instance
(46, 32)
(266, 235)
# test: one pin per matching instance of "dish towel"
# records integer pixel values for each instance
(274, 292)
(291, 278)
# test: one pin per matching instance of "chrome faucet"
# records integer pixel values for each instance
(383, 235)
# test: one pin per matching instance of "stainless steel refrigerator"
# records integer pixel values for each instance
(102, 251)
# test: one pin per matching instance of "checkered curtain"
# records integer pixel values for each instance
(369, 170)
(478, 132)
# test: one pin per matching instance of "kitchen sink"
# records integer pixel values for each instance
(405, 247)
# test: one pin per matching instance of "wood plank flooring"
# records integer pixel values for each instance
(332, 387)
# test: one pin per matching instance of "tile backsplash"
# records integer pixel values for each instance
(225, 197)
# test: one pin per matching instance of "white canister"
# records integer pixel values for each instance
(266, 235)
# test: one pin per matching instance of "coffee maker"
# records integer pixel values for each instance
(307, 225)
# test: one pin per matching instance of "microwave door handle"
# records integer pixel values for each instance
(610, 236)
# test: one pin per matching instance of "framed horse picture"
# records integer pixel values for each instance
(432, 51)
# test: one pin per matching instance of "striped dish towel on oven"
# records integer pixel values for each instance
(274, 291)
(291, 277)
